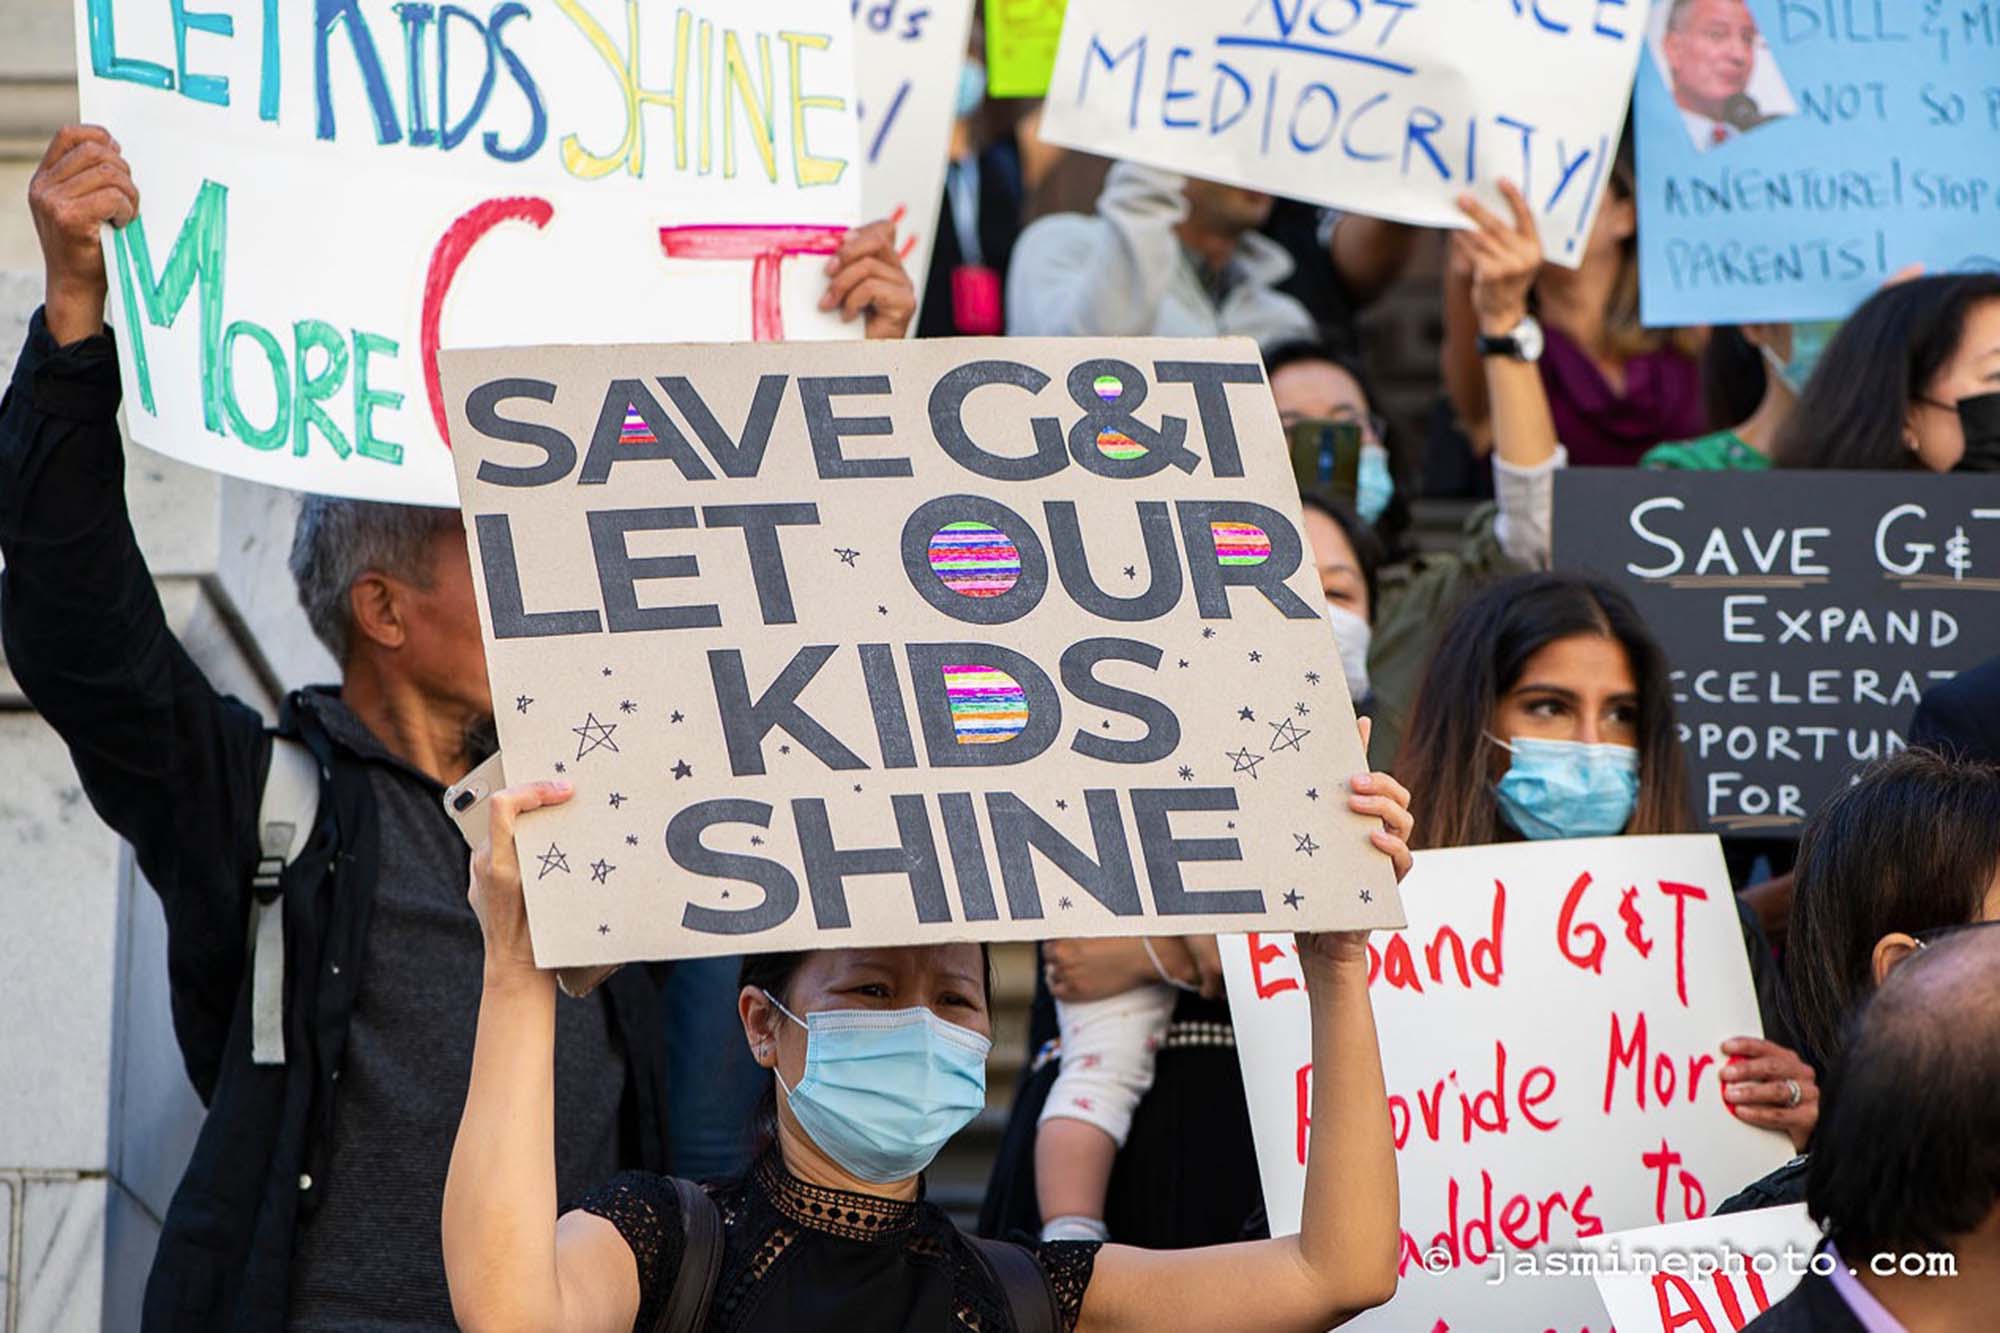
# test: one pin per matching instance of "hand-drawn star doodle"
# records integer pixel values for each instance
(847, 555)
(521, 703)
(1183, 664)
(1301, 710)
(1303, 842)
(607, 671)
(1062, 805)
(1312, 793)
(631, 840)
(1367, 897)
(681, 770)
(1245, 715)
(600, 871)
(1245, 761)
(677, 717)
(1256, 656)
(594, 735)
(857, 786)
(881, 610)
(1064, 903)
(1293, 898)
(1131, 571)
(561, 767)
(1105, 724)
(1232, 824)
(784, 749)
(1208, 631)
(1287, 735)
(627, 706)
(552, 859)
(618, 798)
(1187, 774)
(756, 840)
(1312, 677)
(603, 928)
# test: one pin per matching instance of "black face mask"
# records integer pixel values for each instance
(1979, 417)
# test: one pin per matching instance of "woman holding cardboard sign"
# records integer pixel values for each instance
(878, 1056)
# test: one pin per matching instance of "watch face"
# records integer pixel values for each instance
(1528, 337)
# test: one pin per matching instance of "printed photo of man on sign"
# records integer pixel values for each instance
(1719, 69)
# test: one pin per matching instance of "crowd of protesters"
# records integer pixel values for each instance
(442, 1142)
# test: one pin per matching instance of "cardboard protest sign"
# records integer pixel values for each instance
(1021, 37)
(908, 54)
(1389, 109)
(1717, 1274)
(330, 192)
(1794, 154)
(991, 639)
(1803, 613)
(1551, 1024)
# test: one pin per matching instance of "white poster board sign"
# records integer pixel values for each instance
(1551, 1024)
(1393, 109)
(908, 54)
(332, 192)
(1718, 1273)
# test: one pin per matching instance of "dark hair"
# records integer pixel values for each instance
(1485, 647)
(1734, 377)
(1394, 521)
(1913, 844)
(1852, 412)
(773, 973)
(1367, 546)
(1906, 1157)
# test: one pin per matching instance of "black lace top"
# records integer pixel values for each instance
(799, 1256)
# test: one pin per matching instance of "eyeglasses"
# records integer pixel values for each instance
(1935, 933)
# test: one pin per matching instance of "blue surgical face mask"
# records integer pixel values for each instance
(1809, 342)
(882, 1092)
(1568, 789)
(971, 87)
(1374, 485)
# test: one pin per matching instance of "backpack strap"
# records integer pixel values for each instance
(285, 819)
(1031, 1302)
(701, 1261)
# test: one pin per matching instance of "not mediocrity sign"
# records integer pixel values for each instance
(1803, 613)
(1392, 108)
(863, 644)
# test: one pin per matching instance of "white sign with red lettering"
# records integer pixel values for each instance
(1551, 1026)
(1711, 1276)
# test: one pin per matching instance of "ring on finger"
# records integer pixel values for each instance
(1793, 1093)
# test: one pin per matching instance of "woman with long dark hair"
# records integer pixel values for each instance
(1543, 657)
(1546, 713)
(878, 1056)
(1912, 380)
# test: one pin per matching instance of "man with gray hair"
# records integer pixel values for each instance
(333, 1053)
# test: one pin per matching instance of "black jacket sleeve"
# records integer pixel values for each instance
(174, 767)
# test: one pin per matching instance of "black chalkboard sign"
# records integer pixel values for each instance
(1804, 613)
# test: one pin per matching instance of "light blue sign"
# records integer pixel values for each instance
(1793, 154)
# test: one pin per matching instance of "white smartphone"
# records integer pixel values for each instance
(465, 801)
